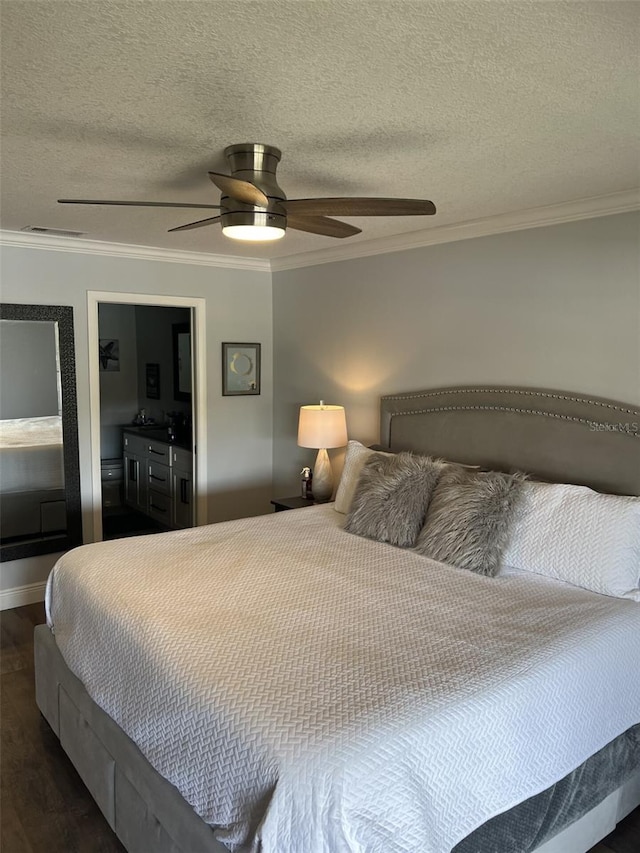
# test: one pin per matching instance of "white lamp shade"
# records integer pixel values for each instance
(322, 426)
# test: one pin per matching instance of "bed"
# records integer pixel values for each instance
(31, 477)
(346, 695)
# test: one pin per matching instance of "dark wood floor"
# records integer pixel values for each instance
(45, 806)
(123, 521)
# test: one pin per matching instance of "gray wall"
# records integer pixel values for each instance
(557, 307)
(239, 307)
(118, 388)
(155, 345)
(29, 380)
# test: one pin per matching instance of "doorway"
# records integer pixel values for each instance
(147, 413)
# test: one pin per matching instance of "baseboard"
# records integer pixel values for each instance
(18, 596)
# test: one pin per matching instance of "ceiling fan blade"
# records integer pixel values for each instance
(137, 203)
(322, 225)
(239, 190)
(199, 224)
(359, 206)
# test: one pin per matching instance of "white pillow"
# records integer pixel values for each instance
(579, 536)
(355, 457)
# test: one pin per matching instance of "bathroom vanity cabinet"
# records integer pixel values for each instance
(158, 477)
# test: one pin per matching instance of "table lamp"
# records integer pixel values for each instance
(322, 427)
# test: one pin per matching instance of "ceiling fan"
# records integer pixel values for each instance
(253, 206)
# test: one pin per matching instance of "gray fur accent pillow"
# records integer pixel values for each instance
(470, 519)
(392, 497)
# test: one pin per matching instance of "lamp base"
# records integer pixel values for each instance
(322, 477)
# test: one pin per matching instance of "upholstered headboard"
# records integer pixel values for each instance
(557, 436)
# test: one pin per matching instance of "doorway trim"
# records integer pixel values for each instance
(198, 305)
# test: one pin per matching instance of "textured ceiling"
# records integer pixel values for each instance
(484, 107)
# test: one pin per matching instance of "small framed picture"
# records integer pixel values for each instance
(153, 381)
(240, 369)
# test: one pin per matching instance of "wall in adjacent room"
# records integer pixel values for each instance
(155, 345)
(144, 335)
(555, 307)
(238, 307)
(118, 388)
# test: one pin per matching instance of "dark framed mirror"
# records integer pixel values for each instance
(182, 362)
(40, 508)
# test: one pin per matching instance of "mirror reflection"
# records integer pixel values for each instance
(182, 362)
(39, 478)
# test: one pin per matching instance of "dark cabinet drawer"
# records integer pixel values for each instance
(159, 477)
(160, 507)
(159, 452)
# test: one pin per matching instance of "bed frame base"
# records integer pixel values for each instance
(592, 827)
(144, 810)
(148, 813)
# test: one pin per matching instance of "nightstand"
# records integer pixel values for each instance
(291, 503)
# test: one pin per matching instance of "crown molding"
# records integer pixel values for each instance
(122, 250)
(536, 217)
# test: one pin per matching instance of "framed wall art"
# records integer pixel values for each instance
(153, 381)
(109, 354)
(240, 369)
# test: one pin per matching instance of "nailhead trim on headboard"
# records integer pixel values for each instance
(495, 413)
(510, 409)
(520, 391)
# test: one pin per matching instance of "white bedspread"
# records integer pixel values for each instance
(315, 691)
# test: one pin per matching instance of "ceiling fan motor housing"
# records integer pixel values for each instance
(257, 164)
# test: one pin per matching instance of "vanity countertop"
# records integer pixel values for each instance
(157, 432)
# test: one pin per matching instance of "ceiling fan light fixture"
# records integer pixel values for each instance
(256, 226)
(253, 233)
